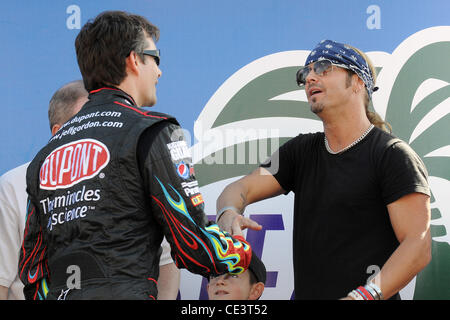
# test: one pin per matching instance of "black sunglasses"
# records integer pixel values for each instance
(153, 53)
(320, 68)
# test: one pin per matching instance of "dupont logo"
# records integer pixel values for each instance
(72, 163)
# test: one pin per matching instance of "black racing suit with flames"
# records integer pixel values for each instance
(102, 194)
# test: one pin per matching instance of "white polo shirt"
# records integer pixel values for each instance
(13, 198)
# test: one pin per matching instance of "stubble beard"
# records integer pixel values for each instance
(316, 107)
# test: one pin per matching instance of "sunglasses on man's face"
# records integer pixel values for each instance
(153, 53)
(321, 68)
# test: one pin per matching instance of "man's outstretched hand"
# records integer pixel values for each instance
(234, 223)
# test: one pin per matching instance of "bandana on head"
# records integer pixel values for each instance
(344, 55)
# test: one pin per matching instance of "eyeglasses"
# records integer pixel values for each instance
(153, 53)
(321, 68)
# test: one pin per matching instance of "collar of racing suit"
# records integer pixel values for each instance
(108, 90)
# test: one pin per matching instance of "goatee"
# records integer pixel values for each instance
(317, 107)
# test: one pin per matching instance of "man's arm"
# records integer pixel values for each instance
(410, 219)
(169, 275)
(177, 206)
(33, 268)
(258, 185)
(3, 293)
(168, 282)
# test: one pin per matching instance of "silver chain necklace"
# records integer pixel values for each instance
(350, 145)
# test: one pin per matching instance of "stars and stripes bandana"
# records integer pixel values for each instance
(342, 54)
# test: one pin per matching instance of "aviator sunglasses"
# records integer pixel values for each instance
(321, 68)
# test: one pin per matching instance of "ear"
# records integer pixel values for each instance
(256, 291)
(131, 63)
(55, 129)
(358, 84)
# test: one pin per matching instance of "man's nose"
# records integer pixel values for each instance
(221, 280)
(311, 77)
(159, 72)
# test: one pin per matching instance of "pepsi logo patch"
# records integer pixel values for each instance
(183, 170)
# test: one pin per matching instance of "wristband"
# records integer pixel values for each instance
(366, 294)
(222, 211)
(379, 294)
(372, 292)
(355, 295)
(369, 292)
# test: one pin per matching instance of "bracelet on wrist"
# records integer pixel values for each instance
(369, 292)
(224, 209)
(372, 286)
(372, 292)
(366, 294)
(355, 295)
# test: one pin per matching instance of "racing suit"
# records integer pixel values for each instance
(102, 194)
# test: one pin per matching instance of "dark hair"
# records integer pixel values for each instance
(103, 45)
(60, 108)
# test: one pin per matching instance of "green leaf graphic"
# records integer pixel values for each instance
(427, 136)
(253, 100)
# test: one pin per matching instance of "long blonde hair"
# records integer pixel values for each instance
(373, 116)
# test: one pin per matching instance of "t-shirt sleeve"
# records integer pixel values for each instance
(402, 173)
(281, 165)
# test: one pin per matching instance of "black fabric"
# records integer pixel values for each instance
(258, 268)
(103, 192)
(341, 222)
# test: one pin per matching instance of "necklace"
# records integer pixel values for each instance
(350, 145)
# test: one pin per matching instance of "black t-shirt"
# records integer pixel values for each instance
(342, 231)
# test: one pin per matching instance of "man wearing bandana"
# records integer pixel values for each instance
(362, 209)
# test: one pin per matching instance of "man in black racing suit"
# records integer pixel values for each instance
(113, 181)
